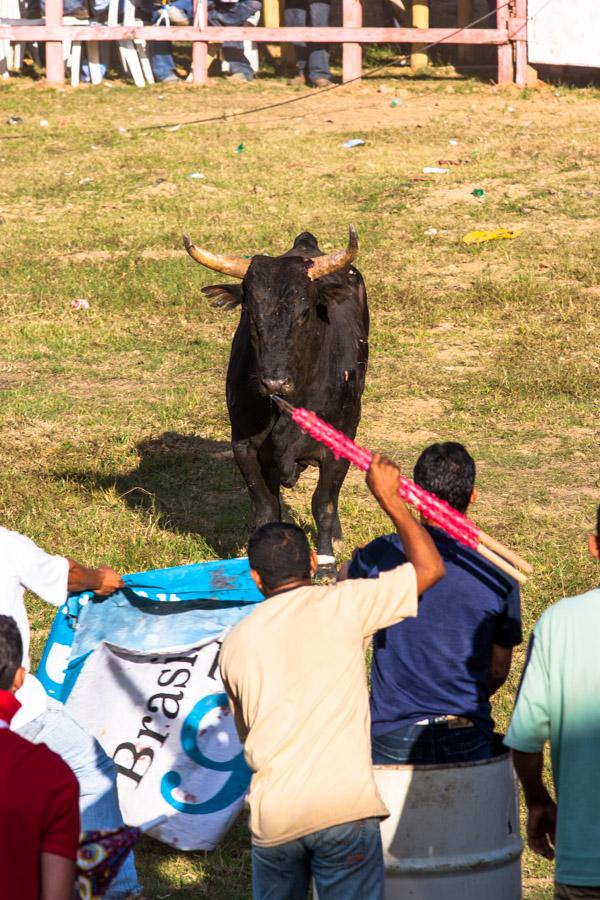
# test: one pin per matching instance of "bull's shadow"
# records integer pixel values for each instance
(192, 485)
(189, 484)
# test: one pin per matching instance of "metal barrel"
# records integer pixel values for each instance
(453, 831)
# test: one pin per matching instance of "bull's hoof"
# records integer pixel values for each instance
(327, 569)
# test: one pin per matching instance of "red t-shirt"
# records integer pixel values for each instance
(39, 812)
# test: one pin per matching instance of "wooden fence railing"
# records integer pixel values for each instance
(509, 36)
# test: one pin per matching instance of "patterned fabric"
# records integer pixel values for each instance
(101, 855)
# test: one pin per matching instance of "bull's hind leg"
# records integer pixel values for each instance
(265, 500)
(325, 510)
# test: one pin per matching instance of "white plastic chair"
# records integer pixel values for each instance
(250, 47)
(72, 54)
(11, 52)
(133, 54)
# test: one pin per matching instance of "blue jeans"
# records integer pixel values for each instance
(96, 6)
(346, 862)
(161, 56)
(313, 63)
(96, 774)
(436, 743)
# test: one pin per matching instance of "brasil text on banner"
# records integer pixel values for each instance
(142, 676)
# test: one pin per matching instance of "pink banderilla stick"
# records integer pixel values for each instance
(429, 505)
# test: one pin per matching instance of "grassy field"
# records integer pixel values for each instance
(114, 433)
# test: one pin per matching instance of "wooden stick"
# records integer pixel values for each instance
(509, 554)
(501, 563)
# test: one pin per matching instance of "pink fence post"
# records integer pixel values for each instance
(505, 51)
(55, 66)
(200, 48)
(352, 53)
(520, 37)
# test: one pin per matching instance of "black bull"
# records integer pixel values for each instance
(302, 334)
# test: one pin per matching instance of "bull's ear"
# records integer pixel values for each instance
(338, 291)
(224, 296)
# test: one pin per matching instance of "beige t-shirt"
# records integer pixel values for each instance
(295, 672)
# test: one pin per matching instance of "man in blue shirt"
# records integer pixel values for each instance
(558, 701)
(432, 677)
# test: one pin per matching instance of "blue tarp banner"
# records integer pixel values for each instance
(139, 671)
(158, 609)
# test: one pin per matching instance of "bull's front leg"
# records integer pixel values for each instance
(265, 503)
(325, 509)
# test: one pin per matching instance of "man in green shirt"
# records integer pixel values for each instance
(559, 701)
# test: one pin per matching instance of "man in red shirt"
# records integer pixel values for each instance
(39, 798)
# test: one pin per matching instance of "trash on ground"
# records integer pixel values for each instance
(80, 303)
(434, 170)
(240, 148)
(14, 120)
(453, 142)
(431, 231)
(480, 237)
(353, 142)
(478, 192)
(85, 180)
(196, 176)
(172, 128)
(395, 102)
(43, 123)
(122, 129)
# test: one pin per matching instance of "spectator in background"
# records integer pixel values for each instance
(220, 13)
(295, 674)
(82, 9)
(39, 798)
(559, 702)
(399, 13)
(23, 565)
(312, 60)
(432, 677)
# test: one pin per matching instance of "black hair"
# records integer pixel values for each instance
(447, 470)
(11, 651)
(279, 552)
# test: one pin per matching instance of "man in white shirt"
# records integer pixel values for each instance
(25, 566)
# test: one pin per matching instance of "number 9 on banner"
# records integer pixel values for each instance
(239, 777)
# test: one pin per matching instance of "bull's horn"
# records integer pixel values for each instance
(333, 262)
(229, 265)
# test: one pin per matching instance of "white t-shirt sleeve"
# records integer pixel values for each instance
(44, 575)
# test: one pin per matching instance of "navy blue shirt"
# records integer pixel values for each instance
(437, 663)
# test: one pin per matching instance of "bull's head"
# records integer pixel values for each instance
(281, 298)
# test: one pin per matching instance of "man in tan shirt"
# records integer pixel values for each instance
(296, 677)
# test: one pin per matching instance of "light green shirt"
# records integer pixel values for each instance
(559, 701)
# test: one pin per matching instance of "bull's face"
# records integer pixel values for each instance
(280, 300)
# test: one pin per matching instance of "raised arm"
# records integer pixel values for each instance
(383, 479)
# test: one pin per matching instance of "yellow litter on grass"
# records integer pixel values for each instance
(480, 237)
